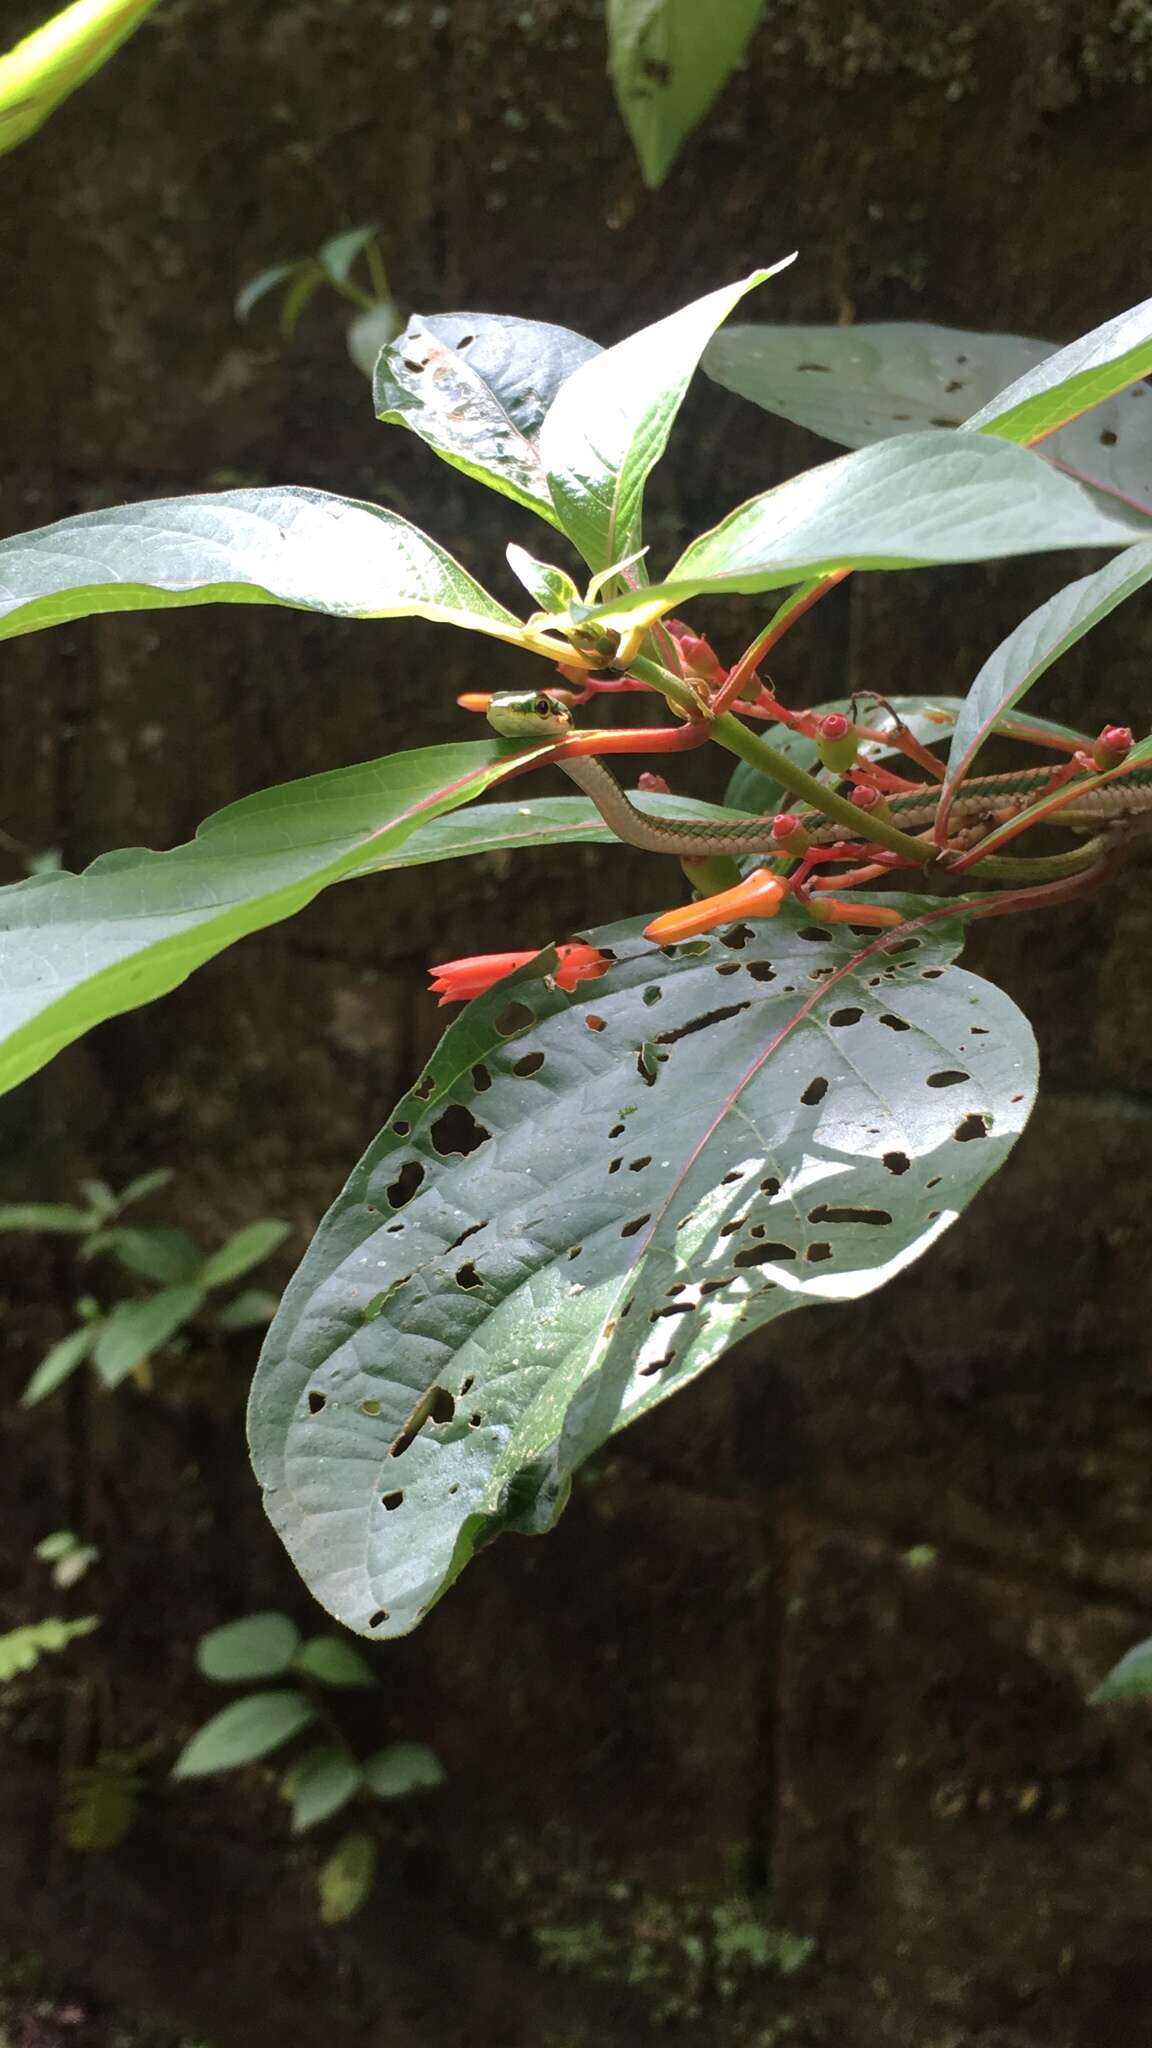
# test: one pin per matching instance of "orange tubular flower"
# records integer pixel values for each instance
(457, 981)
(834, 910)
(759, 895)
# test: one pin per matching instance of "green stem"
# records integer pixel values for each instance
(732, 733)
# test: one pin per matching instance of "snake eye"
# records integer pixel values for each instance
(543, 707)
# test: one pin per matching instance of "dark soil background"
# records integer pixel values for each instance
(780, 1738)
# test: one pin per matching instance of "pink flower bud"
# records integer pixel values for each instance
(789, 834)
(836, 741)
(652, 782)
(1112, 746)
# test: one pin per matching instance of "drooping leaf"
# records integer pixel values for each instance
(58, 1364)
(1130, 1679)
(668, 60)
(609, 423)
(371, 331)
(739, 1138)
(476, 388)
(144, 1185)
(244, 1731)
(22, 1648)
(333, 1662)
(49, 65)
(258, 287)
(900, 505)
(323, 1781)
(346, 1878)
(338, 254)
(248, 1248)
(1035, 644)
(256, 1646)
(1080, 376)
(403, 1768)
(309, 550)
(135, 1329)
(75, 949)
(859, 385)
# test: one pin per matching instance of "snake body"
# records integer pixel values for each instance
(977, 802)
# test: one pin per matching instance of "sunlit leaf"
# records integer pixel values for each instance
(668, 60)
(1130, 1679)
(1080, 376)
(48, 65)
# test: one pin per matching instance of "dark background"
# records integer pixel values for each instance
(720, 1690)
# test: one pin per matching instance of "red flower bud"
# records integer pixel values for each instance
(652, 782)
(697, 654)
(1112, 746)
(457, 981)
(789, 834)
(870, 800)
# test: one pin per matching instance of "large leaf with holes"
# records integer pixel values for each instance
(75, 949)
(609, 424)
(1079, 377)
(306, 549)
(900, 505)
(858, 385)
(1032, 648)
(668, 60)
(586, 1199)
(49, 65)
(476, 388)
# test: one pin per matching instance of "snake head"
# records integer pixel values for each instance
(529, 715)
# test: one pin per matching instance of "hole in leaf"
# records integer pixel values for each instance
(647, 1065)
(815, 1092)
(470, 1232)
(948, 1077)
(391, 1501)
(638, 1165)
(897, 1162)
(895, 1023)
(316, 1402)
(730, 1178)
(458, 1132)
(481, 1078)
(934, 1182)
(464, 342)
(575, 1251)
(468, 1385)
(970, 1127)
(653, 994)
(378, 1619)
(820, 973)
(729, 1229)
(978, 1030)
(737, 937)
(617, 1131)
(442, 1406)
(425, 1087)
(467, 1276)
(728, 967)
(764, 1255)
(674, 1308)
(614, 1165)
(930, 973)
(818, 1252)
(909, 946)
(815, 935)
(760, 970)
(513, 1018)
(636, 1224)
(530, 1064)
(1108, 438)
(437, 1405)
(595, 1024)
(657, 1365)
(476, 1419)
(401, 1128)
(701, 1023)
(369, 1407)
(851, 1016)
(404, 1186)
(770, 1187)
(828, 1212)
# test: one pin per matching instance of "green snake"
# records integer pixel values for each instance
(537, 716)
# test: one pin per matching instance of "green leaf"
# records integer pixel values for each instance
(1130, 1679)
(53, 1216)
(249, 1247)
(404, 1768)
(1037, 642)
(539, 821)
(256, 1305)
(734, 1145)
(22, 1648)
(307, 278)
(258, 1646)
(57, 1545)
(46, 68)
(1079, 377)
(144, 1185)
(334, 1662)
(476, 387)
(135, 1329)
(609, 423)
(309, 550)
(75, 949)
(157, 1251)
(371, 331)
(339, 253)
(59, 1364)
(244, 1731)
(859, 385)
(323, 1781)
(900, 505)
(668, 60)
(345, 1881)
(258, 287)
(551, 588)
